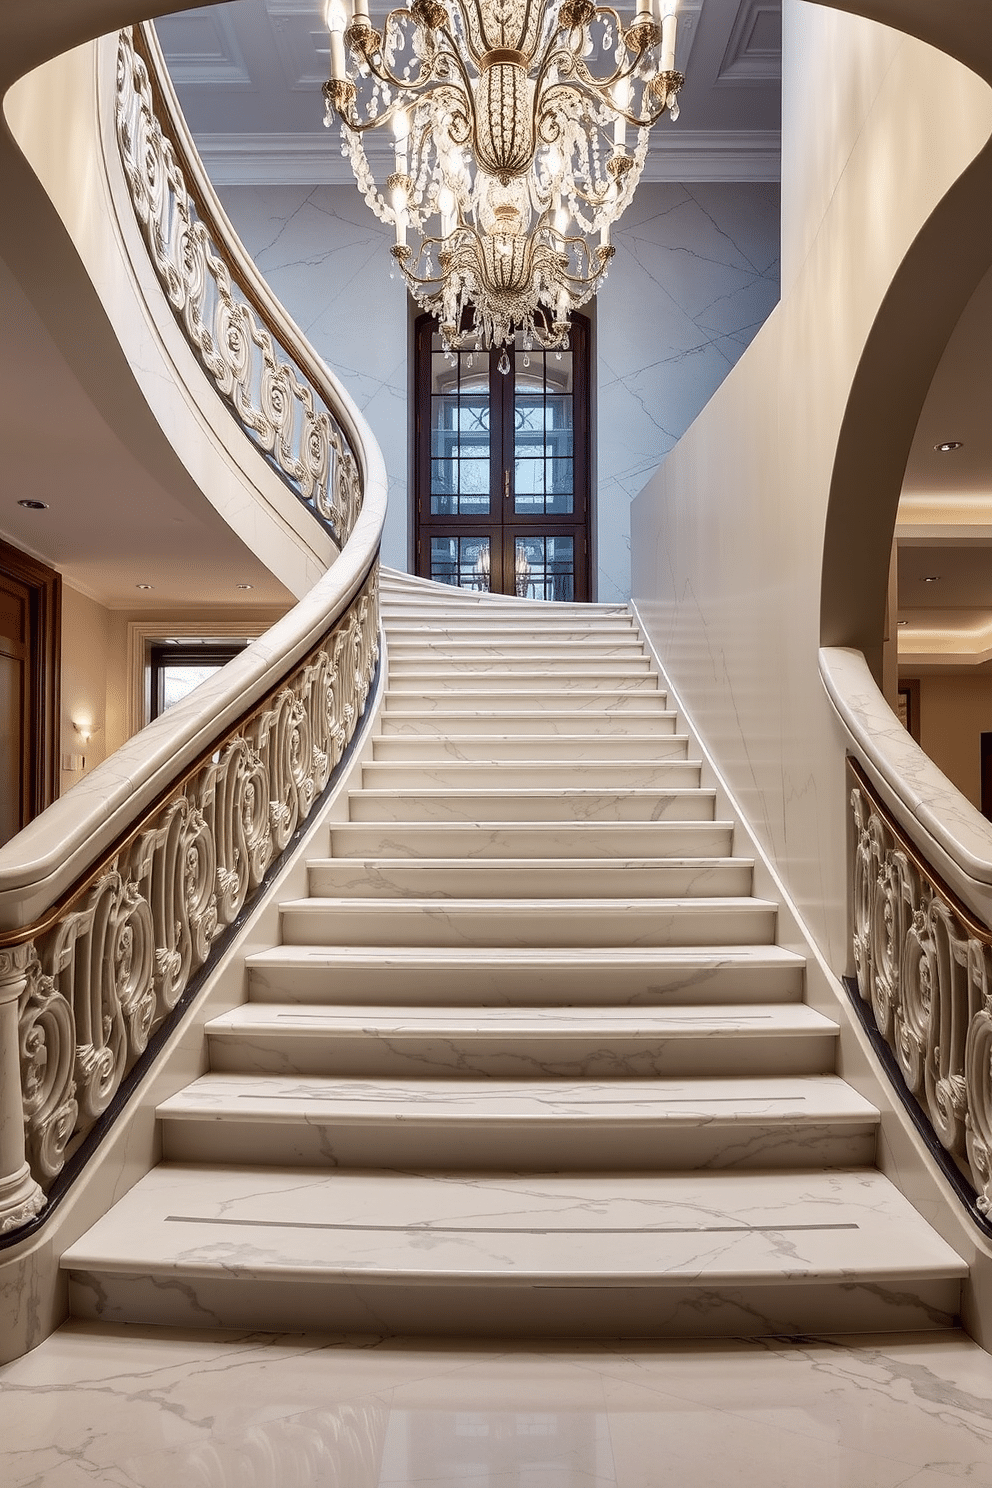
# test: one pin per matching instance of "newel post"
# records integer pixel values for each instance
(21, 1198)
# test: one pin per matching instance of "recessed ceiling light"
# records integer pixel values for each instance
(948, 445)
(931, 578)
(902, 622)
(33, 505)
(144, 586)
(246, 586)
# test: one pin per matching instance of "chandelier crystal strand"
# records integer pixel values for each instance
(510, 155)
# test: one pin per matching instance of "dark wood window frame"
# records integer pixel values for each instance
(184, 653)
(41, 693)
(505, 526)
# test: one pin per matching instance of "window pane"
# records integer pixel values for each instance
(544, 568)
(461, 561)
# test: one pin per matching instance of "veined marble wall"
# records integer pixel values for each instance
(695, 275)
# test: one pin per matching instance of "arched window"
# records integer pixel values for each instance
(502, 467)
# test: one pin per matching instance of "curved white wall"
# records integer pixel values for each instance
(728, 537)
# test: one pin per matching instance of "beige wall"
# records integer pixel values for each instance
(85, 647)
(730, 536)
(96, 681)
(955, 710)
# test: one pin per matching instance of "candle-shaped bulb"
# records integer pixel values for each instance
(448, 208)
(621, 100)
(336, 19)
(669, 26)
(401, 134)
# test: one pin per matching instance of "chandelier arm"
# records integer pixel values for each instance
(383, 74)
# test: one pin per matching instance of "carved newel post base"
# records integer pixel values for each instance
(21, 1198)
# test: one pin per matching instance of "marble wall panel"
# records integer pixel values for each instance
(695, 275)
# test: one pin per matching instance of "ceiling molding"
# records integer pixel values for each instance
(204, 51)
(754, 48)
(316, 160)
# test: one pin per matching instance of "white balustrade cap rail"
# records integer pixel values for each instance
(41, 864)
(950, 832)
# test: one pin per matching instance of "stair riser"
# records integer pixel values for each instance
(494, 703)
(565, 725)
(570, 1144)
(471, 775)
(527, 654)
(567, 985)
(425, 664)
(686, 805)
(443, 681)
(338, 878)
(313, 925)
(426, 840)
(610, 1057)
(408, 749)
(340, 1303)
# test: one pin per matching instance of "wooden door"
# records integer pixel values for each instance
(30, 614)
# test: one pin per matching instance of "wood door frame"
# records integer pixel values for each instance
(40, 777)
(502, 517)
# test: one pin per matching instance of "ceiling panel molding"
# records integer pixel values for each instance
(316, 160)
(302, 45)
(754, 48)
(204, 51)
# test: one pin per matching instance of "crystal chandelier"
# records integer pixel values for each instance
(510, 158)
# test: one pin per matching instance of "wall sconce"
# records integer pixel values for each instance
(86, 730)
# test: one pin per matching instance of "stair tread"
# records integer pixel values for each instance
(529, 908)
(653, 958)
(612, 1230)
(751, 1020)
(724, 1102)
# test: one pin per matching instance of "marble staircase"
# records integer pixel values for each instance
(528, 1060)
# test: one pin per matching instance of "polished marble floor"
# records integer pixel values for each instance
(147, 1408)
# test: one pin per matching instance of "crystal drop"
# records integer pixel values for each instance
(557, 356)
(469, 360)
(503, 365)
(673, 111)
(526, 360)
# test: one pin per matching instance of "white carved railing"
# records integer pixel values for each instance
(114, 900)
(920, 915)
(264, 370)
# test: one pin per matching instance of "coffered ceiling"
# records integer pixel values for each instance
(249, 75)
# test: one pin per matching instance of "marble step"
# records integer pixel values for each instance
(531, 878)
(523, 648)
(543, 1256)
(567, 723)
(466, 976)
(619, 748)
(430, 681)
(481, 632)
(561, 1043)
(495, 840)
(427, 670)
(659, 774)
(497, 703)
(536, 1125)
(500, 609)
(572, 803)
(522, 922)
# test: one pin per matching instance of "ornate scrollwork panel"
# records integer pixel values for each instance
(278, 407)
(924, 967)
(96, 985)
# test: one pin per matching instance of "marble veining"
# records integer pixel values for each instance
(152, 1408)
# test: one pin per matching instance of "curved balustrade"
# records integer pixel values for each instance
(266, 375)
(114, 901)
(921, 940)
